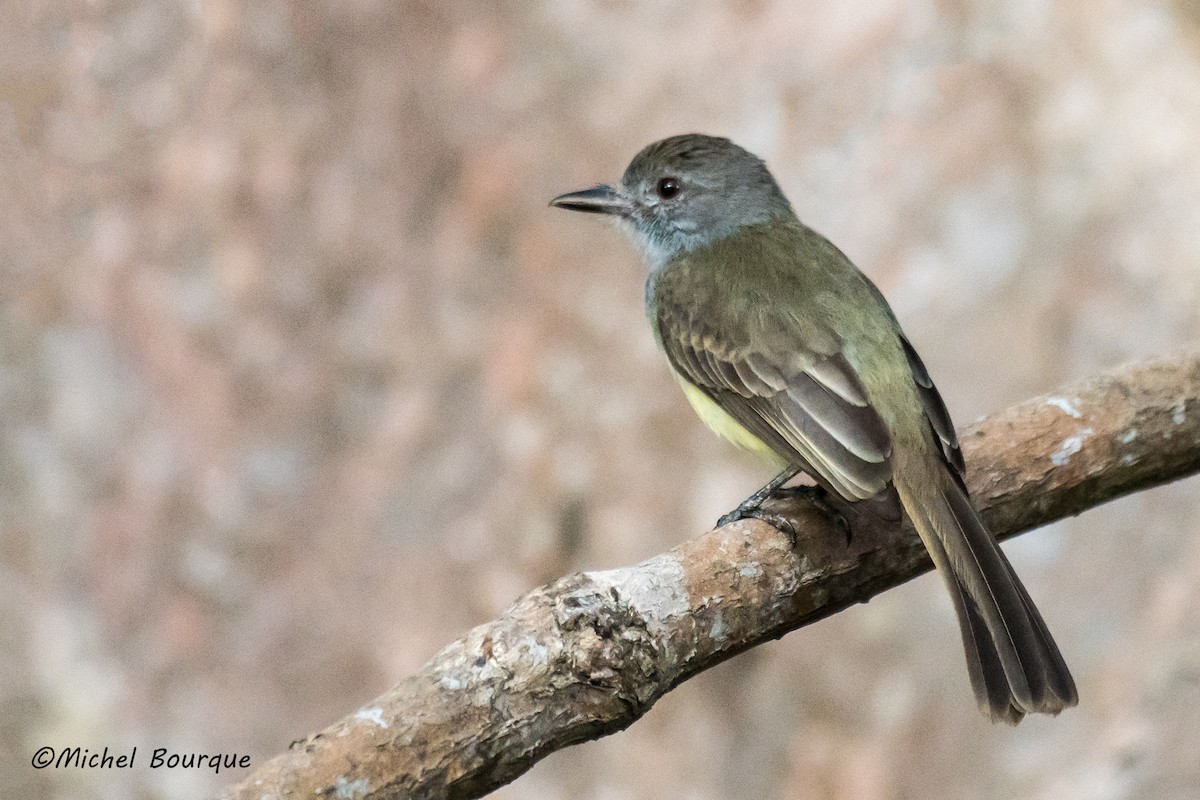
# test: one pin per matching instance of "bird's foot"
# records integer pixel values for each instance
(818, 498)
(753, 507)
(747, 510)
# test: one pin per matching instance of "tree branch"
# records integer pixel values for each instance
(590, 653)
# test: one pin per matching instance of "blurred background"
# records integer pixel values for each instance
(300, 378)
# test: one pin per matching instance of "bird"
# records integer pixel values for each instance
(784, 347)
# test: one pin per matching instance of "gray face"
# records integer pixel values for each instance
(685, 192)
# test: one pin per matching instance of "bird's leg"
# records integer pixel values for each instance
(752, 505)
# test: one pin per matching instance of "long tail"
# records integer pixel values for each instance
(1014, 664)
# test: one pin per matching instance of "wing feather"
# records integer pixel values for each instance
(857, 428)
(808, 407)
(935, 411)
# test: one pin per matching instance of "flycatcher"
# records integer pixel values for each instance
(783, 347)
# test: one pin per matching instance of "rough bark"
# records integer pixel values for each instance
(590, 653)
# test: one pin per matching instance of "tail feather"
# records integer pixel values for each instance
(984, 667)
(1014, 664)
(1059, 681)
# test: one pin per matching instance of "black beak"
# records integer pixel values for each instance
(597, 200)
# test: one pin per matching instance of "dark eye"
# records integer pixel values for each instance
(667, 188)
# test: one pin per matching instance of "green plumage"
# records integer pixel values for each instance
(784, 347)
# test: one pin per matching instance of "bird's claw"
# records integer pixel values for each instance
(780, 522)
(752, 507)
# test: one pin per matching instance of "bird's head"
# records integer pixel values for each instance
(685, 192)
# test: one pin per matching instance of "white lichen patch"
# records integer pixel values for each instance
(1178, 413)
(1129, 436)
(351, 790)
(1070, 446)
(655, 588)
(372, 715)
(536, 653)
(1064, 405)
(719, 628)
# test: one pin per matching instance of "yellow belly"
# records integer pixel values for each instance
(726, 426)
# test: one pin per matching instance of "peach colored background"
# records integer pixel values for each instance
(300, 378)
